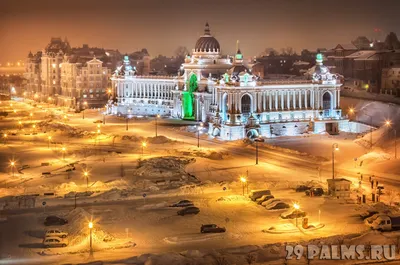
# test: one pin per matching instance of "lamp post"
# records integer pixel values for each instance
(5, 138)
(30, 116)
(127, 119)
(297, 207)
(243, 180)
(86, 174)
(258, 139)
(198, 134)
(157, 116)
(48, 144)
(20, 125)
(144, 144)
(12, 163)
(104, 114)
(335, 147)
(83, 111)
(371, 129)
(389, 123)
(91, 228)
(63, 149)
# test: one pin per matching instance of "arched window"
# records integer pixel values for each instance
(246, 104)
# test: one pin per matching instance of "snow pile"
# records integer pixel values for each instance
(233, 198)
(78, 220)
(132, 138)
(204, 153)
(49, 125)
(377, 155)
(158, 140)
(66, 187)
(169, 168)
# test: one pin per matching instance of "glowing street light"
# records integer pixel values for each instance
(388, 123)
(5, 138)
(63, 150)
(144, 144)
(157, 116)
(83, 111)
(296, 206)
(91, 228)
(86, 175)
(243, 180)
(49, 139)
(335, 147)
(30, 116)
(20, 124)
(12, 164)
(127, 119)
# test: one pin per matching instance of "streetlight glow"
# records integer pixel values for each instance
(296, 206)
(90, 225)
(243, 179)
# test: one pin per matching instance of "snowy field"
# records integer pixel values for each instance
(129, 186)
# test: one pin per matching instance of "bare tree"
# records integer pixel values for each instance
(392, 196)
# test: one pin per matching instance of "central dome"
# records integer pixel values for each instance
(207, 43)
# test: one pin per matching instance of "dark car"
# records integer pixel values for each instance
(315, 192)
(212, 228)
(293, 213)
(55, 220)
(302, 188)
(189, 210)
(98, 121)
(182, 203)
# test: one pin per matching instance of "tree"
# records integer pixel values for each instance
(288, 51)
(392, 42)
(306, 55)
(181, 52)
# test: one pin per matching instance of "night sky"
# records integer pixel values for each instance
(163, 25)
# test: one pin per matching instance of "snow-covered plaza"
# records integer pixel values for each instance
(116, 173)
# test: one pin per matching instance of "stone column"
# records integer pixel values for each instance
(300, 105)
(276, 99)
(264, 101)
(288, 99)
(305, 99)
(338, 98)
(294, 99)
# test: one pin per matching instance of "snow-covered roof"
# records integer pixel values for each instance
(362, 55)
(345, 46)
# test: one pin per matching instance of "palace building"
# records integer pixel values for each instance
(231, 95)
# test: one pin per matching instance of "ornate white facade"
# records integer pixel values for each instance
(226, 94)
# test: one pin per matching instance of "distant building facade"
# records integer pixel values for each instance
(231, 96)
(391, 81)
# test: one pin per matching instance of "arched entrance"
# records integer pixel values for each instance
(245, 105)
(327, 103)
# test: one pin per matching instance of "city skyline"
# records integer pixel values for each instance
(132, 26)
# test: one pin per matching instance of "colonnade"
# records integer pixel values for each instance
(147, 90)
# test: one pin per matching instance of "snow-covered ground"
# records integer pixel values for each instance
(170, 167)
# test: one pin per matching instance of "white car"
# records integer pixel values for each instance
(50, 242)
(56, 233)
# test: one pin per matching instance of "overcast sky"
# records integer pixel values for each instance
(163, 25)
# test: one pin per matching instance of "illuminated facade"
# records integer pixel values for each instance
(231, 96)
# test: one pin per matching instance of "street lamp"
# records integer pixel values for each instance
(91, 228)
(243, 180)
(104, 114)
(86, 174)
(297, 208)
(371, 129)
(63, 149)
(83, 111)
(20, 124)
(144, 144)
(12, 164)
(157, 116)
(388, 124)
(5, 138)
(198, 134)
(258, 139)
(127, 118)
(335, 147)
(48, 144)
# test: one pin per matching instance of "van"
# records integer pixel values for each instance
(255, 194)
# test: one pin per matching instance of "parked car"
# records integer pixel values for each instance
(264, 198)
(182, 203)
(315, 192)
(255, 194)
(277, 206)
(98, 121)
(49, 242)
(189, 210)
(268, 202)
(56, 233)
(293, 213)
(302, 188)
(55, 220)
(212, 228)
(368, 213)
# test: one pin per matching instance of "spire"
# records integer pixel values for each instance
(207, 29)
(237, 47)
(319, 59)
